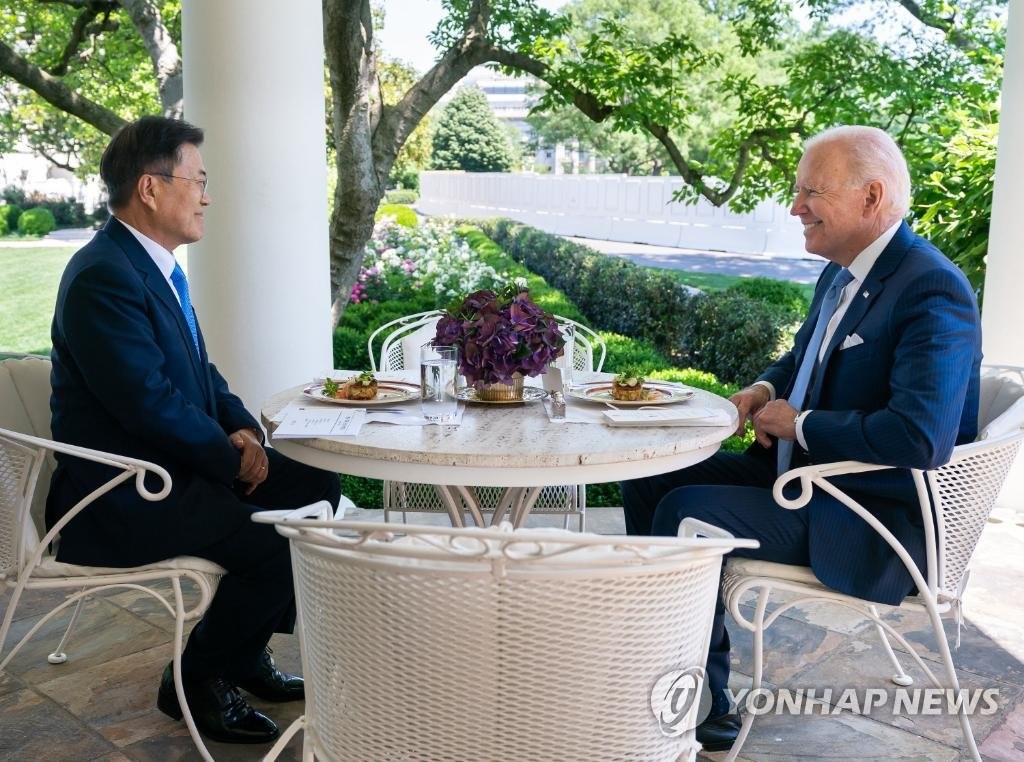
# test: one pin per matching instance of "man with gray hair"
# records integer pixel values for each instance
(885, 370)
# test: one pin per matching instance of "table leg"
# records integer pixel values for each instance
(451, 503)
(525, 505)
(472, 504)
(507, 503)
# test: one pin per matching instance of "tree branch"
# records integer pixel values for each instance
(163, 52)
(53, 160)
(55, 92)
(398, 122)
(946, 24)
(79, 31)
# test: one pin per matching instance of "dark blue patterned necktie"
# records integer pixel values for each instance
(798, 396)
(181, 286)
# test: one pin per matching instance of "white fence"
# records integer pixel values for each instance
(614, 208)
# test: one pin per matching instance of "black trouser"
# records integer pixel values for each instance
(256, 597)
(731, 491)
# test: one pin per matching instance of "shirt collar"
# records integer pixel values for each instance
(863, 262)
(163, 259)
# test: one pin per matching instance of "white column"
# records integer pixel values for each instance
(1004, 272)
(254, 81)
(1005, 266)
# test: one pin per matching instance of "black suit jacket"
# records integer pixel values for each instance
(127, 379)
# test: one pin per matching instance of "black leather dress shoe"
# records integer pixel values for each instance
(271, 684)
(219, 711)
(719, 733)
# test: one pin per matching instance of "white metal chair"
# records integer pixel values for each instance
(490, 644)
(400, 341)
(962, 492)
(26, 563)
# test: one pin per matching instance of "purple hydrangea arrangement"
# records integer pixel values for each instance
(499, 335)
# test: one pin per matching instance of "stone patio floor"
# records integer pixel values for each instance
(101, 704)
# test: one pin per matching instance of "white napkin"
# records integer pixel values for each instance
(667, 416)
(408, 417)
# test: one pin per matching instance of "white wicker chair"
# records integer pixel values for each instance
(26, 462)
(963, 493)
(491, 644)
(399, 341)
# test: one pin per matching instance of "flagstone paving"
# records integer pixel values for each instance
(101, 704)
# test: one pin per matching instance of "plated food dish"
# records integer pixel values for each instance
(352, 391)
(651, 393)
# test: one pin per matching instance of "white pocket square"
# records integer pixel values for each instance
(853, 340)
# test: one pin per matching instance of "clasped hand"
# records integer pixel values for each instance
(770, 417)
(254, 468)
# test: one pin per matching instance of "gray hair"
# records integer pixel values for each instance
(872, 155)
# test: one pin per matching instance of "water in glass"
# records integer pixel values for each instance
(438, 369)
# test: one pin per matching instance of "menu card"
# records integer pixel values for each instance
(299, 421)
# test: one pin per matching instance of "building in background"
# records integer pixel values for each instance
(34, 174)
(510, 99)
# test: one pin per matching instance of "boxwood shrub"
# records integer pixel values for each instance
(728, 334)
(402, 196)
(9, 214)
(36, 221)
(403, 215)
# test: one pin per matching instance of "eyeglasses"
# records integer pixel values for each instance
(205, 181)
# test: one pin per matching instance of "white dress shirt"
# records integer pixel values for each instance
(163, 259)
(859, 269)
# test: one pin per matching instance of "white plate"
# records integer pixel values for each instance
(654, 394)
(388, 393)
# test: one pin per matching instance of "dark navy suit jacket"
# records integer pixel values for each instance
(904, 397)
(127, 379)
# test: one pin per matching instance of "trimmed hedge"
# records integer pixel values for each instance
(402, 196)
(9, 214)
(36, 221)
(727, 334)
(403, 215)
(778, 292)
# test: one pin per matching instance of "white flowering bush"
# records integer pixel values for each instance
(401, 260)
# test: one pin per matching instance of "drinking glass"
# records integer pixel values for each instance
(438, 371)
(565, 361)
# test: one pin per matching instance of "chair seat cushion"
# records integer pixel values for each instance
(51, 568)
(752, 567)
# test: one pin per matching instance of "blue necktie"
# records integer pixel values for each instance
(798, 396)
(181, 286)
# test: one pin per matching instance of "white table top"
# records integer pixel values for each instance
(506, 446)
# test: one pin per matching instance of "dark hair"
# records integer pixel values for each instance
(150, 144)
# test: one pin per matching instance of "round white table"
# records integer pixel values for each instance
(512, 446)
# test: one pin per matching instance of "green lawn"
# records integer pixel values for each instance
(716, 282)
(29, 278)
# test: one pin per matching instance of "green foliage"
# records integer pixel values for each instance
(402, 196)
(727, 334)
(3, 225)
(365, 493)
(403, 215)
(110, 67)
(624, 352)
(955, 199)
(9, 213)
(781, 293)
(468, 137)
(732, 336)
(36, 221)
(615, 294)
(395, 80)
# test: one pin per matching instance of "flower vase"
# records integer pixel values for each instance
(501, 392)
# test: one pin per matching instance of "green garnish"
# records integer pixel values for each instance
(365, 378)
(631, 375)
(330, 387)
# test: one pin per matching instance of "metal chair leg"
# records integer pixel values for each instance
(748, 716)
(901, 677)
(58, 656)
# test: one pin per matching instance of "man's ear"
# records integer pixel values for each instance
(145, 188)
(874, 196)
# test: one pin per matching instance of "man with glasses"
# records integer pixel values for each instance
(885, 370)
(131, 376)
